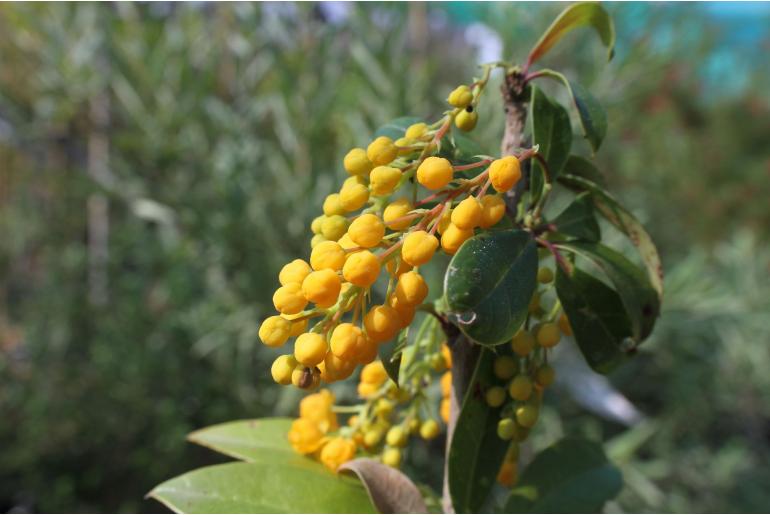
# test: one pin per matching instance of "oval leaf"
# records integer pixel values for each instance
(269, 486)
(621, 218)
(248, 440)
(476, 452)
(390, 490)
(593, 119)
(595, 312)
(637, 294)
(574, 16)
(583, 168)
(571, 476)
(489, 283)
(552, 132)
(578, 219)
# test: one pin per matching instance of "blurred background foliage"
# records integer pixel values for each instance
(160, 162)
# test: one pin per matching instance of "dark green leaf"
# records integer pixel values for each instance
(637, 294)
(592, 117)
(395, 129)
(582, 167)
(476, 452)
(571, 476)
(621, 218)
(597, 317)
(460, 149)
(391, 353)
(578, 219)
(266, 486)
(248, 440)
(574, 16)
(551, 130)
(489, 284)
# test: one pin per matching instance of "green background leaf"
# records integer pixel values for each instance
(489, 283)
(621, 218)
(476, 451)
(396, 128)
(552, 131)
(571, 476)
(578, 219)
(248, 440)
(597, 317)
(267, 486)
(574, 16)
(639, 297)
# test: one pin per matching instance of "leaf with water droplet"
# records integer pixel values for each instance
(489, 284)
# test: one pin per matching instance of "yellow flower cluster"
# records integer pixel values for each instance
(376, 229)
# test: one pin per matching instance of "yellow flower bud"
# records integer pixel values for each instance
(310, 349)
(332, 205)
(328, 254)
(411, 289)
(505, 173)
(418, 248)
(274, 331)
(544, 275)
(444, 410)
(381, 151)
(429, 429)
(416, 131)
(492, 210)
(305, 436)
(294, 272)
(397, 437)
(527, 415)
(282, 368)
(318, 238)
(333, 227)
(548, 335)
(520, 388)
(322, 287)
(545, 375)
(396, 271)
(397, 209)
(461, 96)
(384, 179)
(467, 214)
(454, 237)
(495, 396)
(374, 373)
(345, 341)
(564, 326)
(367, 230)
(466, 119)
(289, 299)
(356, 162)
(353, 197)
(382, 323)
(336, 452)
(361, 269)
(391, 458)
(504, 367)
(315, 226)
(317, 407)
(297, 327)
(523, 342)
(435, 172)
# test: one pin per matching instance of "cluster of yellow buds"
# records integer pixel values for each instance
(375, 227)
(526, 373)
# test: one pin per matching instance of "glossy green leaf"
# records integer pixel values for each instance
(578, 219)
(574, 16)
(593, 118)
(621, 218)
(637, 294)
(598, 320)
(476, 451)
(265, 486)
(489, 284)
(248, 440)
(552, 131)
(571, 476)
(396, 128)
